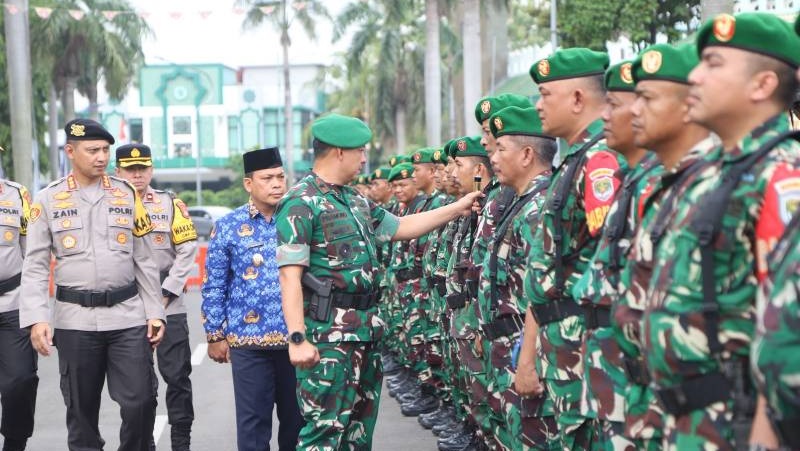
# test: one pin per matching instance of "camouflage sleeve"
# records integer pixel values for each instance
(600, 184)
(384, 223)
(294, 220)
(781, 198)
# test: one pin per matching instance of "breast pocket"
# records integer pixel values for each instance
(68, 236)
(9, 230)
(119, 234)
(343, 242)
(160, 240)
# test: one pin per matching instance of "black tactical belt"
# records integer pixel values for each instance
(596, 316)
(86, 298)
(456, 300)
(636, 371)
(555, 311)
(787, 430)
(696, 393)
(362, 301)
(504, 326)
(408, 274)
(10, 283)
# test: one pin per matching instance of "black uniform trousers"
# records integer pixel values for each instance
(262, 379)
(175, 365)
(85, 360)
(18, 379)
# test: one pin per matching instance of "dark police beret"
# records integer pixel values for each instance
(133, 155)
(86, 130)
(262, 159)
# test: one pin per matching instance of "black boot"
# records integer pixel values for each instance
(180, 435)
(423, 404)
(14, 444)
(429, 420)
(457, 442)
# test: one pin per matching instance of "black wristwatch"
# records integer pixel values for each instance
(297, 338)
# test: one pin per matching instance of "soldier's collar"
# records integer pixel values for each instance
(72, 183)
(752, 141)
(150, 196)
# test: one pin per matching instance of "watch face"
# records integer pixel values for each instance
(297, 337)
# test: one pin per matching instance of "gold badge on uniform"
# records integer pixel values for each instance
(158, 238)
(250, 273)
(258, 259)
(651, 61)
(77, 130)
(625, 73)
(135, 153)
(245, 230)
(122, 238)
(378, 173)
(64, 204)
(119, 193)
(69, 242)
(120, 202)
(393, 161)
(251, 317)
(724, 27)
(122, 221)
(462, 145)
(66, 223)
(404, 173)
(543, 67)
(8, 235)
(36, 212)
(498, 123)
(62, 195)
(486, 107)
(417, 157)
(6, 203)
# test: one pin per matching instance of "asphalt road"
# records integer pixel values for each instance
(214, 427)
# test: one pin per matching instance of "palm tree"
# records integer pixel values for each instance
(279, 15)
(472, 61)
(433, 75)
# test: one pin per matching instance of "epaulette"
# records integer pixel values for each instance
(16, 185)
(121, 180)
(56, 182)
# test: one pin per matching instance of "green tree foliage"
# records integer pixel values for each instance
(231, 197)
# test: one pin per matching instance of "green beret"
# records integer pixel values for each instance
(492, 104)
(569, 63)
(401, 171)
(619, 77)
(665, 62)
(762, 33)
(424, 155)
(517, 121)
(439, 156)
(397, 159)
(450, 148)
(382, 173)
(362, 179)
(341, 131)
(469, 146)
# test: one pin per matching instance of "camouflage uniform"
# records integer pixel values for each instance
(776, 337)
(674, 327)
(561, 325)
(333, 231)
(526, 423)
(604, 380)
(642, 412)
(439, 310)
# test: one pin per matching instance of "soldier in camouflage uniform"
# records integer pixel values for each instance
(604, 380)
(585, 180)
(326, 244)
(699, 316)
(521, 159)
(660, 124)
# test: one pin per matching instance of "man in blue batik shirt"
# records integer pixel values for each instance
(242, 312)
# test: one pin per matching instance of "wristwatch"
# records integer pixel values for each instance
(297, 338)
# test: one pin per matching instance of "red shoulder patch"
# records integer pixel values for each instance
(781, 201)
(601, 182)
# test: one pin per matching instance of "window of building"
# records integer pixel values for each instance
(182, 125)
(137, 132)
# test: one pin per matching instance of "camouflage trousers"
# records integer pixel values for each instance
(456, 381)
(604, 380)
(575, 430)
(528, 423)
(610, 436)
(339, 397)
(708, 429)
(475, 379)
(494, 419)
(644, 418)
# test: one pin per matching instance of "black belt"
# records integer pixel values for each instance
(456, 300)
(596, 316)
(696, 393)
(408, 274)
(10, 283)
(555, 311)
(86, 298)
(636, 371)
(358, 301)
(504, 326)
(788, 430)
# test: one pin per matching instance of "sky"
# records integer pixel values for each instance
(211, 31)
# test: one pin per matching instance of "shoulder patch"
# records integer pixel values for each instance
(781, 202)
(600, 186)
(182, 226)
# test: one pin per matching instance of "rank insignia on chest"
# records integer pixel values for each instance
(245, 230)
(156, 209)
(8, 235)
(69, 242)
(122, 238)
(66, 223)
(6, 203)
(251, 317)
(120, 202)
(122, 221)
(250, 273)
(63, 195)
(64, 204)
(119, 193)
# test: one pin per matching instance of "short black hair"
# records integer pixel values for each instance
(786, 92)
(320, 148)
(544, 148)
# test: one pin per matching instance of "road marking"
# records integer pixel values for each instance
(199, 354)
(158, 428)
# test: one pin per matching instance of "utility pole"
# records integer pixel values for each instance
(553, 25)
(18, 52)
(472, 63)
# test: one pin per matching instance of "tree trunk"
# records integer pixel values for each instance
(288, 114)
(20, 91)
(472, 63)
(52, 132)
(495, 44)
(433, 75)
(400, 127)
(710, 8)
(94, 108)
(68, 98)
